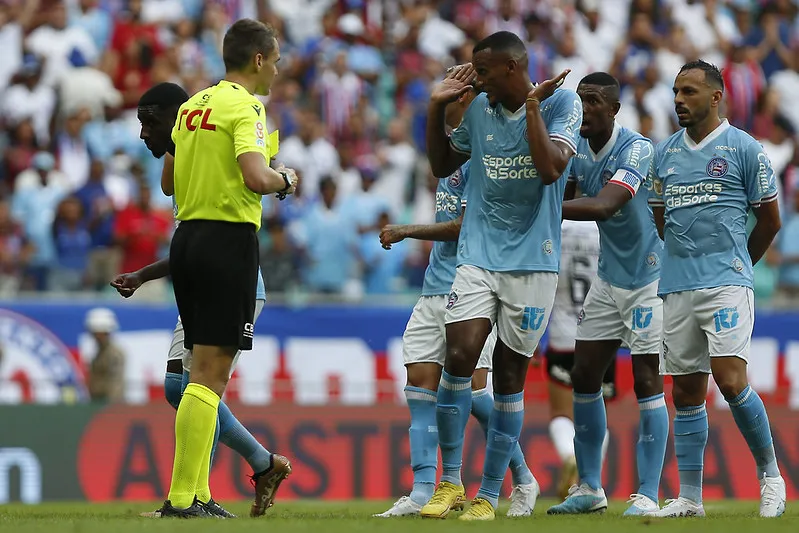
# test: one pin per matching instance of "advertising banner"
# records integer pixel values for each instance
(321, 355)
(125, 453)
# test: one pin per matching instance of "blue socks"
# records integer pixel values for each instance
(423, 437)
(173, 388)
(504, 428)
(482, 405)
(653, 432)
(750, 416)
(235, 436)
(690, 439)
(452, 414)
(590, 426)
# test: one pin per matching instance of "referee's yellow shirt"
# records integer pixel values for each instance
(212, 129)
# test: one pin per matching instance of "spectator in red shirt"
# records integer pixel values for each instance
(135, 47)
(140, 232)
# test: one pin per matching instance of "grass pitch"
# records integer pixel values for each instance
(356, 516)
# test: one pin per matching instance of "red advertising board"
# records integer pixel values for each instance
(362, 452)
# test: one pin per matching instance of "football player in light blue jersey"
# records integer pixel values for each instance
(157, 112)
(424, 345)
(706, 178)
(622, 306)
(520, 138)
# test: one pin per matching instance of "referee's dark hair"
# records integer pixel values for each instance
(712, 73)
(244, 39)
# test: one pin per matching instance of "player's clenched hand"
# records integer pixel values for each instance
(546, 88)
(457, 81)
(391, 234)
(126, 284)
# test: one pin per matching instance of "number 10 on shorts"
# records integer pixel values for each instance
(533, 318)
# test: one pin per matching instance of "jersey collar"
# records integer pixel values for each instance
(691, 145)
(608, 145)
(515, 115)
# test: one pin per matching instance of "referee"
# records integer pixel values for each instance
(221, 170)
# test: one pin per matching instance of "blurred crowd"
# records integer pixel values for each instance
(79, 193)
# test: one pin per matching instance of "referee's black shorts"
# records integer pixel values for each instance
(214, 269)
(559, 367)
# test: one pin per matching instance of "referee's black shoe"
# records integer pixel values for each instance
(215, 509)
(195, 510)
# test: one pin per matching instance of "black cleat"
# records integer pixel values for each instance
(215, 509)
(195, 510)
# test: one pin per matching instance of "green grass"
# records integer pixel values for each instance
(355, 516)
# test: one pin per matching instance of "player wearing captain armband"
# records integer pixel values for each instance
(622, 307)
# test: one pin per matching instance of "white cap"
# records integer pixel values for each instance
(101, 320)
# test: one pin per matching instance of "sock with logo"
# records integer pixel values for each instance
(235, 436)
(690, 439)
(482, 406)
(590, 428)
(194, 431)
(173, 388)
(423, 437)
(561, 432)
(750, 416)
(653, 433)
(504, 429)
(452, 413)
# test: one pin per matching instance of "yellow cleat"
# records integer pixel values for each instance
(446, 498)
(479, 510)
(568, 477)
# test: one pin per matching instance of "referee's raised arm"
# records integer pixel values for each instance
(221, 170)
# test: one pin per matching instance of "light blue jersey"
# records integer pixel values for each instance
(260, 290)
(707, 190)
(513, 220)
(450, 200)
(630, 248)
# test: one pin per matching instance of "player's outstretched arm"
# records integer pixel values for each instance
(440, 231)
(601, 207)
(550, 157)
(126, 284)
(444, 159)
(766, 228)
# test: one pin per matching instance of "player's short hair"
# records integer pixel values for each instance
(244, 39)
(164, 96)
(503, 42)
(712, 73)
(610, 85)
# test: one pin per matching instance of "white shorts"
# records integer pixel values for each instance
(425, 338)
(519, 303)
(705, 323)
(634, 316)
(177, 351)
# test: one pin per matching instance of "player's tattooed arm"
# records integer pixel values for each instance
(444, 159)
(549, 156)
(610, 199)
(766, 228)
(126, 284)
(659, 213)
(440, 231)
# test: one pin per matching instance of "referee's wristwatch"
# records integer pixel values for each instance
(281, 195)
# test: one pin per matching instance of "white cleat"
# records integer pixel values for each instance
(523, 498)
(772, 497)
(641, 506)
(680, 507)
(402, 507)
